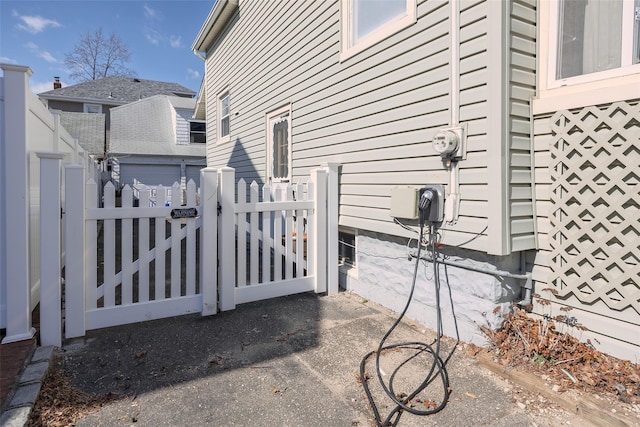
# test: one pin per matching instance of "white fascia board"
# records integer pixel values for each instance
(82, 100)
(213, 25)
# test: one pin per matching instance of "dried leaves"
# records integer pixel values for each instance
(60, 404)
(541, 346)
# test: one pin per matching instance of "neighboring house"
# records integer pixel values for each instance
(98, 97)
(155, 141)
(371, 85)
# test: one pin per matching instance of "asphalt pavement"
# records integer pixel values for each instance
(292, 361)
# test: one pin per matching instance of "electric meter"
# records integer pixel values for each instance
(445, 142)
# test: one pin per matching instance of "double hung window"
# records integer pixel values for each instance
(197, 132)
(594, 40)
(224, 109)
(366, 22)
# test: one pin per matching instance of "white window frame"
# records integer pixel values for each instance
(274, 114)
(590, 89)
(348, 271)
(626, 65)
(342, 260)
(88, 107)
(350, 49)
(219, 137)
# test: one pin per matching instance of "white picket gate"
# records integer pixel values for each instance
(129, 263)
(278, 249)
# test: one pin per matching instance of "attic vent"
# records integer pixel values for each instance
(136, 80)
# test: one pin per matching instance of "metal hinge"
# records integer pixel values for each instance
(637, 14)
(219, 208)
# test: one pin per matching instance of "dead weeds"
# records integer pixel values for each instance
(60, 404)
(545, 346)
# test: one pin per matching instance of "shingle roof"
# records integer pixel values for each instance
(117, 90)
(88, 128)
(146, 127)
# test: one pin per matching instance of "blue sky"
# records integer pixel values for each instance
(158, 33)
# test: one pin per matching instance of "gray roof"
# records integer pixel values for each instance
(88, 128)
(117, 90)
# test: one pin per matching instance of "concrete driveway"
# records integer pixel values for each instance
(290, 361)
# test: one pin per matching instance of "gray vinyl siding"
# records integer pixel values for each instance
(375, 113)
(538, 261)
(75, 107)
(183, 129)
(522, 81)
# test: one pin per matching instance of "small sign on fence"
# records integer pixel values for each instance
(184, 213)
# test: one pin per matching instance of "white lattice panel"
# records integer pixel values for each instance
(595, 195)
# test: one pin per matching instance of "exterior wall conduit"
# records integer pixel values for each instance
(452, 201)
(527, 287)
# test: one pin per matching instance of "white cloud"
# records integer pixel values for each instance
(41, 53)
(175, 41)
(193, 74)
(6, 60)
(153, 37)
(47, 57)
(149, 12)
(37, 24)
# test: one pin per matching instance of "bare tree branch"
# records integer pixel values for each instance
(95, 57)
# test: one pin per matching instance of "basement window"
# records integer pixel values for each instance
(346, 248)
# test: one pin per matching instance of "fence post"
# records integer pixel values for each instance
(15, 285)
(227, 250)
(332, 227)
(319, 177)
(74, 251)
(209, 240)
(50, 277)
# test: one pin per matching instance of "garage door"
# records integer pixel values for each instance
(193, 172)
(150, 174)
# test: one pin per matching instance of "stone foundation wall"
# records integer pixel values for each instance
(384, 273)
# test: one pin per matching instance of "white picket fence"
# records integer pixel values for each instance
(131, 263)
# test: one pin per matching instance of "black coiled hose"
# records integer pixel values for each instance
(403, 402)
